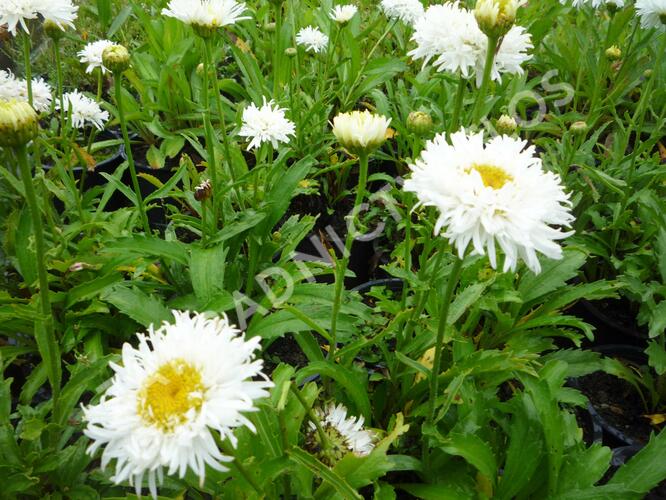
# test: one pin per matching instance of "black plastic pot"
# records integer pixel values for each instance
(393, 284)
(613, 436)
(609, 329)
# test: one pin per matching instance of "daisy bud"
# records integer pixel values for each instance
(18, 124)
(419, 122)
(290, 51)
(506, 125)
(203, 191)
(578, 128)
(52, 30)
(360, 132)
(200, 69)
(647, 73)
(496, 17)
(116, 58)
(613, 53)
(270, 27)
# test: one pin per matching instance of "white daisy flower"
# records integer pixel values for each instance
(652, 13)
(12, 88)
(184, 382)
(312, 38)
(407, 11)
(345, 434)
(595, 3)
(60, 12)
(13, 12)
(92, 55)
(360, 131)
(343, 13)
(492, 193)
(209, 14)
(266, 124)
(450, 36)
(83, 110)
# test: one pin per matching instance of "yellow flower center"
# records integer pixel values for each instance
(169, 393)
(494, 177)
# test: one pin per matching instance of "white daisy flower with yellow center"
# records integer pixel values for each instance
(493, 193)
(208, 14)
(266, 124)
(652, 13)
(92, 55)
(312, 39)
(345, 434)
(184, 382)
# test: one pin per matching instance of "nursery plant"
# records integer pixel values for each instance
(321, 250)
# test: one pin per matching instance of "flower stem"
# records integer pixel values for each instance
(485, 82)
(457, 107)
(241, 468)
(454, 277)
(46, 340)
(128, 149)
(56, 50)
(28, 68)
(208, 130)
(341, 265)
(325, 443)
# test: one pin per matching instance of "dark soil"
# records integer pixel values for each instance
(615, 321)
(284, 350)
(619, 405)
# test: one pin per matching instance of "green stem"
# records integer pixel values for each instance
(128, 149)
(341, 265)
(454, 277)
(48, 345)
(277, 55)
(457, 107)
(325, 443)
(208, 130)
(28, 68)
(485, 82)
(56, 50)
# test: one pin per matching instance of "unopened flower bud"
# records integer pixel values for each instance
(360, 131)
(612, 6)
(116, 58)
(579, 127)
(18, 124)
(200, 69)
(506, 125)
(203, 191)
(52, 30)
(613, 53)
(419, 122)
(496, 17)
(290, 51)
(270, 27)
(647, 73)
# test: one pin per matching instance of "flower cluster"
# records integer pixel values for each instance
(450, 36)
(62, 13)
(12, 88)
(82, 110)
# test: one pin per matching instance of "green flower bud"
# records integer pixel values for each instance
(419, 122)
(506, 125)
(613, 53)
(290, 51)
(18, 124)
(52, 30)
(270, 27)
(578, 128)
(116, 58)
(204, 30)
(496, 17)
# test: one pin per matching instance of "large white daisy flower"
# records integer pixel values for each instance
(83, 110)
(492, 193)
(13, 12)
(312, 38)
(60, 12)
(184, 382)
(449, 35)
(206, 13)
(652, 13)
(343, 13)
(12, 88)
(407, 11)
(92, 55)
(266, 124)
(360, 131)
(345, 434)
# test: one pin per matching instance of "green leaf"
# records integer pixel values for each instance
(656, 357)
(554, 274)
(32, 428)
(661, 253)
(207, 271)
(349, 380)
(315, 466)
(146, 246)
(473, 449)
(89, 289)
(658, 320)
(584, 468)
(155, 158)
(436, 491)
(144, 309)
(464, 300)
(249, 219)
(646, 469)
